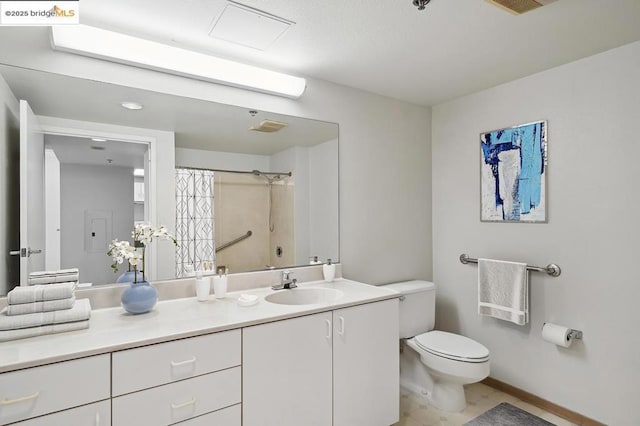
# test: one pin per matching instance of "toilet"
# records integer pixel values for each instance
(435, 364)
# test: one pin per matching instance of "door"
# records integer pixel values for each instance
(366, 370)
(286, 372)
(32, 210)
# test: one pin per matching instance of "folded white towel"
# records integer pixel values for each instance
(81, 311)
(503, 290)
(51, 279)
(44, 306)
(69, 271)
(22, 333)
(39, 293)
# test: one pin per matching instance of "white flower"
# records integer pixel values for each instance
(135, 259)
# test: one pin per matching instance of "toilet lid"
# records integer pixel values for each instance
(452, 346)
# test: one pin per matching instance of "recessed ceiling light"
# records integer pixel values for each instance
(131, 105)
(98, 140)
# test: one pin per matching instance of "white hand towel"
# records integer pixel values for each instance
(69, 271)
(52, 279)
(22, 333)
(81, 311)
(503, 290)
(39, 293)
(44, 306)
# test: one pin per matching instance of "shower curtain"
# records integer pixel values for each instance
(194, 221)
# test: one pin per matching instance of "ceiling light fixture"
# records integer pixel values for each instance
(131, 105)
(138, 172)
(421, 3)
(98, 140)
(109, 45)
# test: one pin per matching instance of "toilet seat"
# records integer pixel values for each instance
(452, 346)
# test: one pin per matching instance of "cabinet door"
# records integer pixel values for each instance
(286, 372)
(366, 365)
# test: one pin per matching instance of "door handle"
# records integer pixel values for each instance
(23, 252)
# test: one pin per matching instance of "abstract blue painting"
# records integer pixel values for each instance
(513, 173)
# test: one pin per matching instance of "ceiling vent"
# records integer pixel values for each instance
(518, 7)
(249, 27)
(269, 126)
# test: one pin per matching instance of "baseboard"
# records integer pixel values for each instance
(532, 399)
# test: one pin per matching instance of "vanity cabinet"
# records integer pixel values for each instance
(336, 368)
(176, 381)
(287, 372)
(50, 388)
(366, 370)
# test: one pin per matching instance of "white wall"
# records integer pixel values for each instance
(323, 206)
(199, 158)
(592, 109)
(9, 188)
(91, 187)
(385, 167)
(52, 206)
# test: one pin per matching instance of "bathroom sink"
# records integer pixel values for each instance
(304, 296)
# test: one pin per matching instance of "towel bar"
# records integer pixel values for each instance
(551, 269)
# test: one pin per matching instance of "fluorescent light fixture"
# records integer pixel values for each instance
(98, 140)
(109, 45)
(131, 105)
(138, 172)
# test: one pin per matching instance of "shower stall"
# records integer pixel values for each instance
(252, 219)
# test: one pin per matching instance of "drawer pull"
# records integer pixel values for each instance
(184, 404)
(178, 364)
(6, 401)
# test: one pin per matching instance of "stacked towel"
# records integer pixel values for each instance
(503, 290)
(43, 309)
(50, 277)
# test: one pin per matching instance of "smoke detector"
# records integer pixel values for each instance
(518, 7)
(269, 126)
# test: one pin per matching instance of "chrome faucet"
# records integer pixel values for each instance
(286, 281)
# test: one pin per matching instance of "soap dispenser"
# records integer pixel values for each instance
(329, 271)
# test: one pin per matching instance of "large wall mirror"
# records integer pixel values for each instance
(240, 188)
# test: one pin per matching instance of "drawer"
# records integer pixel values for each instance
(96, 414)
(230, 416)
(41, 390)
(178, 401)
(143, 368)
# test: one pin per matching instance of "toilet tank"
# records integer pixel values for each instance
(417, 306)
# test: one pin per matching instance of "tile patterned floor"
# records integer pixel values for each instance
(480, 398)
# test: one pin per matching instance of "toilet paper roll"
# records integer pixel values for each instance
(557, 334)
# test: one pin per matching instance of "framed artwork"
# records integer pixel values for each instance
(513, 174)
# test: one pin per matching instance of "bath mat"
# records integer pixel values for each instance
(506, 414)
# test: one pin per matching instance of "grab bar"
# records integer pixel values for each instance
(232, 242)
(551, 269)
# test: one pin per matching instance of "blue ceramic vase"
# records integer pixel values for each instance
(128, 277)
(139, 298)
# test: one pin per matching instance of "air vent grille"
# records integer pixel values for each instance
(268, 126)
(516, 7)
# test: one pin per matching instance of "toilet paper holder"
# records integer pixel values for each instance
(575, 334)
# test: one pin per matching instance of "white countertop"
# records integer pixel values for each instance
(113, 329)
